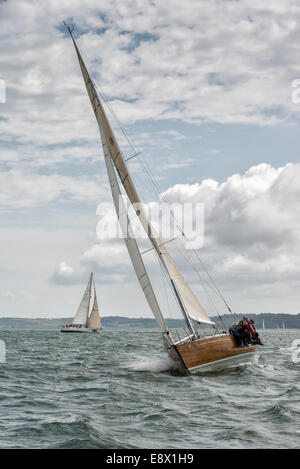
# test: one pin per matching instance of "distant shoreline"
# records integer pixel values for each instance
(271, 320)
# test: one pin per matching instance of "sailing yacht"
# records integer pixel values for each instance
(192, 351)
(84, 320)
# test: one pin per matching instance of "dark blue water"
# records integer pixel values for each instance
(118, 389)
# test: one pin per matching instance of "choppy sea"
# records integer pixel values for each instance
(118, 389)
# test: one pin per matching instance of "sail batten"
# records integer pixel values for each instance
(190, 304)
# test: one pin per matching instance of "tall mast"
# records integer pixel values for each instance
(188, 303)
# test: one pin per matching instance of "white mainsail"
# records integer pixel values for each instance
(188, 301)
(130, 241)
(83, 311)
(94, 319)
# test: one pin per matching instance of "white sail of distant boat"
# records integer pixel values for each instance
(263, 324)
(84, 319)
(193, 352)
(93, 321)
(283, 325)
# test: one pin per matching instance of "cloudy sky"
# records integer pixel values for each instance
(207, 91)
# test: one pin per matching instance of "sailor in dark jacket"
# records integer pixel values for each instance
(237, 330)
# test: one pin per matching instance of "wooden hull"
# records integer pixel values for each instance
(214, 352)
(78, 329)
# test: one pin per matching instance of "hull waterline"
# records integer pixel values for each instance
(78, 330)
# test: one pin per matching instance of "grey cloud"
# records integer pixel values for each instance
(252, 230)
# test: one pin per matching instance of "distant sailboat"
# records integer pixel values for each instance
(84, 321)
(263, 324)
(192, 351)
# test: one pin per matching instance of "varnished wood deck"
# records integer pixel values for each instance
(202, 352)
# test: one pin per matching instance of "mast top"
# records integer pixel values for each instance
(70, 27)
